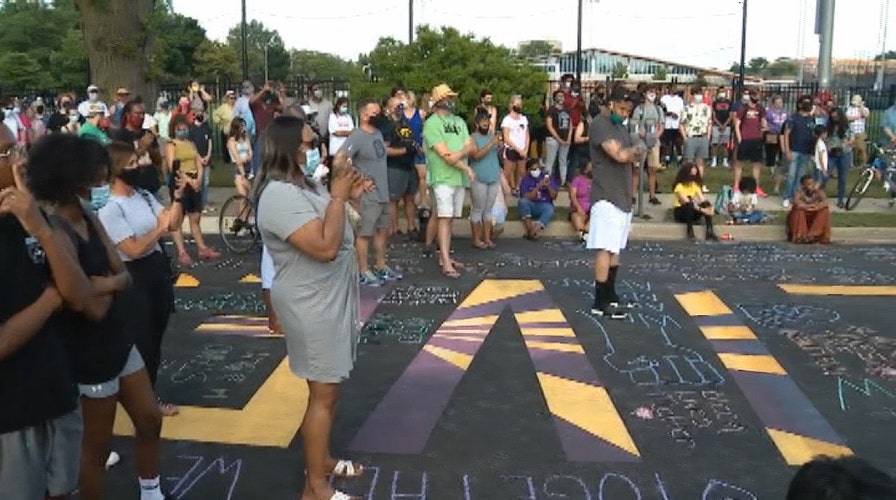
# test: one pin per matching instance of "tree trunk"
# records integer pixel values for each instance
(118, 40)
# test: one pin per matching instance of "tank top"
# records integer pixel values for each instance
(98, 349)
(415, 123)
(242, 149)
(186, 153)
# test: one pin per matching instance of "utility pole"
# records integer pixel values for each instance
(245, 44)
(879, 80)
(743, 49)
(579, 46)
(410, 21)
(825, 29)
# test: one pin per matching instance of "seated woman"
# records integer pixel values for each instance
(809, 221)
(742, 208)
(580, 200)
(690, 206)
(537, 194)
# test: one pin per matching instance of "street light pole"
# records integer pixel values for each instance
(579, 46)
(743, 49)
(266, 62)
(410, 21)
(245, 44)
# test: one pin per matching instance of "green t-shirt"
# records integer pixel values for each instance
(451, 131)
(90, 131)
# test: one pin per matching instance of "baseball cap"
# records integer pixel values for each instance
(93, 88)
(123, 91)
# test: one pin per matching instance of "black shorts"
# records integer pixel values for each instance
(513, 155)
(751, 150)
(402, 182)
(670, 137)
(190, 199)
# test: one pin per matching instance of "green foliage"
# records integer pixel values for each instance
(661, 74)
(620, 71)
(757, 65)
(467, 64)
(216, 60)
(888, 55)
(177, 39)
(22, 69)
(312, 65)
(257, 38)
(32, 34)
(535, 49)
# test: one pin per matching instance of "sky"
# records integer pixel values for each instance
(704, 33)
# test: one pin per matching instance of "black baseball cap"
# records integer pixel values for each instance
(620, 94)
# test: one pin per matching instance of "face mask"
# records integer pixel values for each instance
(517, 109)
(574, 94)
(99, 196)
(318, 94)
(374, 119)
(449, 106)
(558, 101)
(135, 121)
(182, 133)
(39, 110)
(312, 161)
(567, 85)
(8, 113)
(199, 118)
(745, 99)
(343, 110)
(535, 173)
(93, 95)
(130, 176)
(651, 97)
(72, 118)
(807, 106)
(697, 99)
(616, 119)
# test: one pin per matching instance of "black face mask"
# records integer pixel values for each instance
(483, 130)
(806, 106)
(517, 109)
(130, 176)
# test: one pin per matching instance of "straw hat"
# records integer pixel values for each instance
(441, 92)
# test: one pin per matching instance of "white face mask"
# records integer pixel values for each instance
(72, 118)
(697, 99)
(651, 97)
(722, 95)
(93, 95)
(318, 94)
(535, 173)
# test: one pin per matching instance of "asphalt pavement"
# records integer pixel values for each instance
(741, 361)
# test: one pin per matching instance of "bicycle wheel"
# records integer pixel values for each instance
(859, 190)
(236, 224)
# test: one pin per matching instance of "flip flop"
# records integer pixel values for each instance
(451, 274)
(168, 409)
(346, 468)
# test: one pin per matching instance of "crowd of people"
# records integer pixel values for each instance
(83, 224)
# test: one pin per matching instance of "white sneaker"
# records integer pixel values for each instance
(705, 189)
(725, 162)
(715, 163)
(785, 204)
(113, 460)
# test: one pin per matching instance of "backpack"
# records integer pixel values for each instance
(723, 199)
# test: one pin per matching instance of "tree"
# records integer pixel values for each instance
(257, 38)
(888, 55)
(757, 65)
(620, 71)
(177, 39)
(313, 65)
(69, 64)
(535, 49)
(465, 63)
(215, 61)
(701, 81)
(22, 72)
(117, 38)
(783, 66)
(38, 31)
(661, 74)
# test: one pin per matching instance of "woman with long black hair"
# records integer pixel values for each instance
(690, 206)
(315, 290)
(839, 152)
(134, 221)
(71, 174)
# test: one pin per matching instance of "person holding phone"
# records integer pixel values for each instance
(537, 194)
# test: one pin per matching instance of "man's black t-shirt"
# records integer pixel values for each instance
(57, 121)
(200, 135)
(721, 110)
(36, 383)
(561, 121)
(397, 134)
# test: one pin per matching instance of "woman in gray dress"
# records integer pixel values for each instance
(315, 287)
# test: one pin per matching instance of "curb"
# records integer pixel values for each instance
(658, 231)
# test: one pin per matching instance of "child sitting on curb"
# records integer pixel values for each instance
(742, 208)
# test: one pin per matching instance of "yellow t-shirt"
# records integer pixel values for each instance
(691, 189)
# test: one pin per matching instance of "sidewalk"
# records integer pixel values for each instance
(653, 226)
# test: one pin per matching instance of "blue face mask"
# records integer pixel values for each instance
(182, 133)
(99, 197)
(312, 161)
(616, 119)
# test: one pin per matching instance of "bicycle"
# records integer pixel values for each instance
(236, 225)
(884, 161)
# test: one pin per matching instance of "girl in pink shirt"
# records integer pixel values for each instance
(580, 200)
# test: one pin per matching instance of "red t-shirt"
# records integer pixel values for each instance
(575, 112)
(750, 118)
(263, 115)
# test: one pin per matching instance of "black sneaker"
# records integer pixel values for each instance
(609, 311)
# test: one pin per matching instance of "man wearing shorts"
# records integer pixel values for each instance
(40, 424)
(612, 154)
(448, 143)
(696, 127)
(367, 150)
(749, 128)
(401, 150)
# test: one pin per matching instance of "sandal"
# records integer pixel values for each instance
(168, 409)
(346, 468)
(452, 273)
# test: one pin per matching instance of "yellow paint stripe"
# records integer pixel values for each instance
(727, 333)
(455, 358)
(542, 316)
(465, 331)
(798, 449)
(588, 408)
(186, 281)
(705, 303)
(227, 326)
(270, 418)
(484, 321)
(462, 338)
(258, 319)
(847, 290)
(760, 363)
(548, 332)
(250, 278)
(555, 346)
(498, 290)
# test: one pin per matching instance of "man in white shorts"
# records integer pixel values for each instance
(448, 143)
(612, 154)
